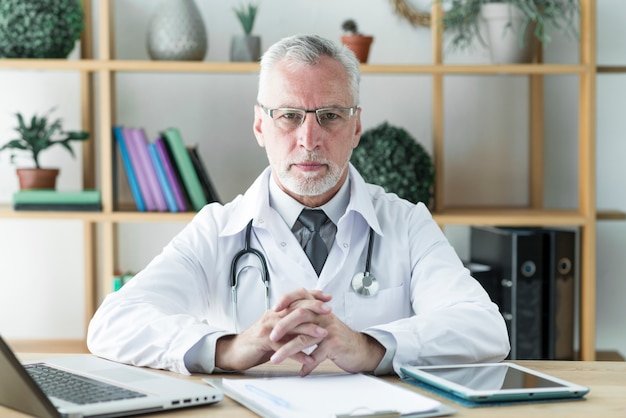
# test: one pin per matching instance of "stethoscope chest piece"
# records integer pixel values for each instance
(364, 284)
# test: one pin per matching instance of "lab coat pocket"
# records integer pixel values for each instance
(388, 305)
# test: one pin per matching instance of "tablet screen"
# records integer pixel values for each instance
(493, 377)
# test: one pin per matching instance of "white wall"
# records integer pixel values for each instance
(484, 164)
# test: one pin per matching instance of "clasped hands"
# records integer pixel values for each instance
(300, 320)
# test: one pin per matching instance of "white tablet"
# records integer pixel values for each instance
(495, 382)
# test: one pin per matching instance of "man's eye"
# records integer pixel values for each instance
(330, 116)
(291, 115)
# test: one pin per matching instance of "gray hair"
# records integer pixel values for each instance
(309, 49)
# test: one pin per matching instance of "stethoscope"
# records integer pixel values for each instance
(363, 283)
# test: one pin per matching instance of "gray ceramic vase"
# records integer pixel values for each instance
(176, 32)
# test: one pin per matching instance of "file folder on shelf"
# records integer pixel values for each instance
(516, 256)
(561, 270)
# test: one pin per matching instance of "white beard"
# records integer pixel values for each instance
(310, 184)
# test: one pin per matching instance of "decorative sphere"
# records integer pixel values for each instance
(39, 28)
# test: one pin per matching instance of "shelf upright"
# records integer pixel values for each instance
(436, 29)
(587, 178)
(106, 101)
(89, 166)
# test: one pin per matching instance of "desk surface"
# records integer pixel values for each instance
(606, 379)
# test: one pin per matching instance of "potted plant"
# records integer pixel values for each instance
(357, 42)
(516, 20)
(246, 47)
(34, 138)
(389, 156)
(39, 29)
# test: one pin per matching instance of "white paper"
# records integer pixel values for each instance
(328, 395)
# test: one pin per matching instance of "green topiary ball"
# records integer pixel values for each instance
(39, 28)
(390, 157)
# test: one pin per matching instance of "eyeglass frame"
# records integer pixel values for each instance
(317, 112)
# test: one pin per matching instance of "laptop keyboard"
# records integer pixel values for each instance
(77, 389)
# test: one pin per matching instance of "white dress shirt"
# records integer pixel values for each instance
(429, 310)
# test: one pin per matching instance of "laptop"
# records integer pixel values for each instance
(104, 388)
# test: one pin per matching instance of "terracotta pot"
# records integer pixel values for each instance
(359, 44)
(37, 178)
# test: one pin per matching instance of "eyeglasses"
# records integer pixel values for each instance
(329, 118)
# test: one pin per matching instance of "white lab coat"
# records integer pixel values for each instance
(428, 303)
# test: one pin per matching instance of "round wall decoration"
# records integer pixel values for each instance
(410, 13)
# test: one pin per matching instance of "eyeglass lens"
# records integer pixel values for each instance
(328, 118)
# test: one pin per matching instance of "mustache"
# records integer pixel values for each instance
(309, 157)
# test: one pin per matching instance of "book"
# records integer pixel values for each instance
(516, 255)
(203, 175)
(141, 143)
(63, 207)
(128, 168)
(183, 162)
(172, 176)
(560, 271)
(142, 177)
(57, 197)
(163, 182)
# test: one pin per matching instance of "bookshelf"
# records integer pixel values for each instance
(98, 102)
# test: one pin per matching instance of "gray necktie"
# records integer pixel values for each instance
(315, 248)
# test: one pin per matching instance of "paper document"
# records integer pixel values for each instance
(326, 396)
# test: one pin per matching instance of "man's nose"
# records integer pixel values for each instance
(309, 133)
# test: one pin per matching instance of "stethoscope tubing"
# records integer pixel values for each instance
(265, 276)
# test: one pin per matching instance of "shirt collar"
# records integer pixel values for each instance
(289, 208)
(354, 195)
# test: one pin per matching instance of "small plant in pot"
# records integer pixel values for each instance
(35, 137)
(246, 47)
(357, 42)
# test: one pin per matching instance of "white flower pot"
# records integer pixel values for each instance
(509, 41)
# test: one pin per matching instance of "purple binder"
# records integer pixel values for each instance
(142, 178)
(141, 142)
(170, 174)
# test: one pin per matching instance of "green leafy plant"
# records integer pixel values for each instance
(390, 157)
(39, 28)
(246, 15)
(350, 26)
(40, 135)
(462, 18)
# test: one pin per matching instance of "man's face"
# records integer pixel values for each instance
(309, 162)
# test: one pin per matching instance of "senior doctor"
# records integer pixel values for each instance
(375, 287)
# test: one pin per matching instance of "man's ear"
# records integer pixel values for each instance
(258, 126)
(357, 129)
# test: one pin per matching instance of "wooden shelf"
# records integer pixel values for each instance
(99, 103)
(605, 69)
(452, 216)
(91, 65)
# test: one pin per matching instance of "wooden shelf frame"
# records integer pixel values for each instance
(101, 227)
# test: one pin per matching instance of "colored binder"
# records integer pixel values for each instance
(162, 179)
(128, 167)
(138, 167)
(170, 173)
(141, 142)
(203, 175)
(561, 269)
(516, 255)
(185, 167)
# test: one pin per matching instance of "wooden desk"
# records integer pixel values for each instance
(606, 379)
